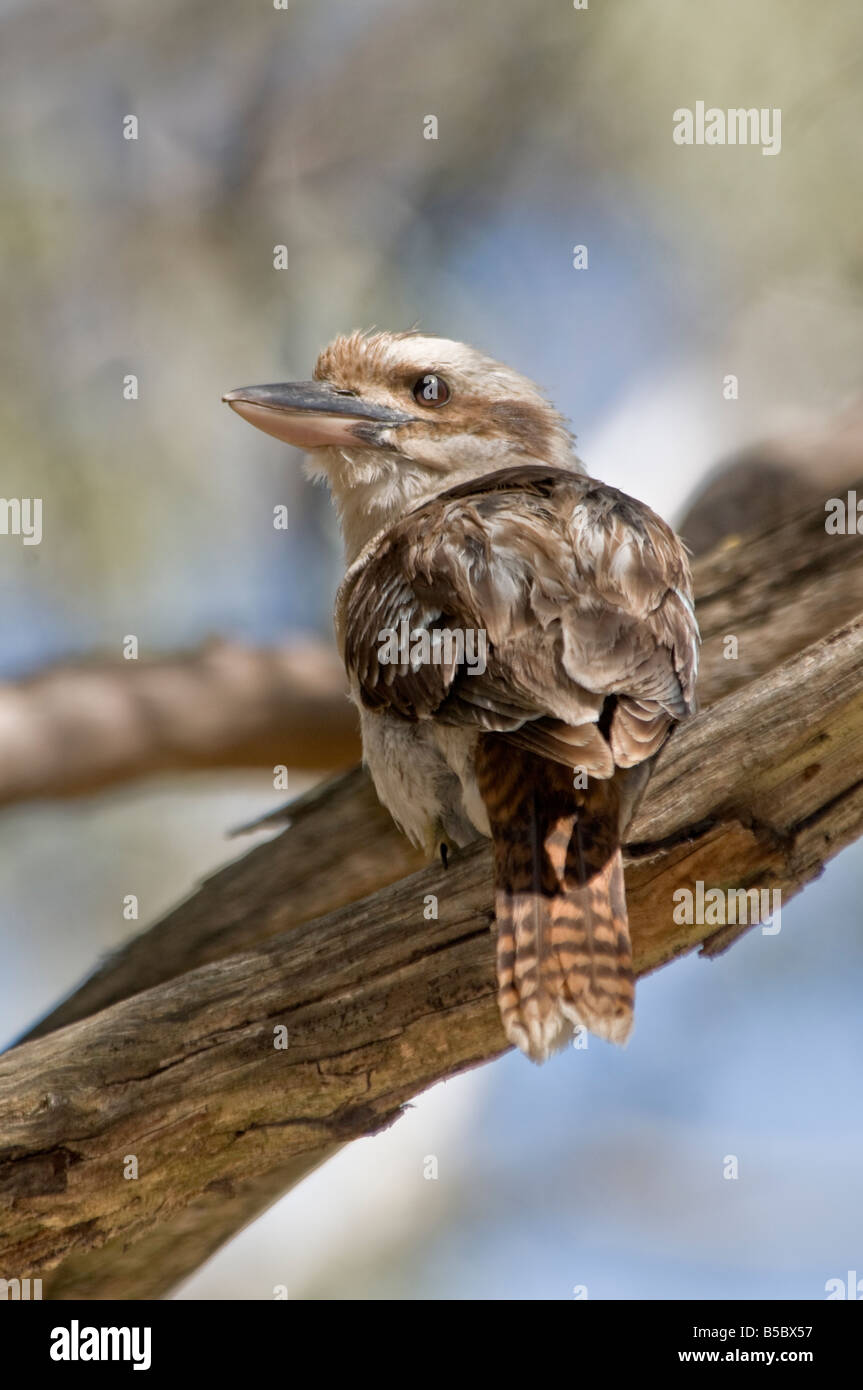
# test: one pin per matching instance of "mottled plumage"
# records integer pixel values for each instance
(476, 517)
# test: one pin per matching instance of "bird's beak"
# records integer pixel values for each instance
(313, 414)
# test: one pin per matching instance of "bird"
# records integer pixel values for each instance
(519, 640)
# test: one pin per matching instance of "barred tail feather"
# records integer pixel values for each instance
(563, 951)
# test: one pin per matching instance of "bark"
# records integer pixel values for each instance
(379, 1001)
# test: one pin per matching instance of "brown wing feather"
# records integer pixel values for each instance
(582, 593)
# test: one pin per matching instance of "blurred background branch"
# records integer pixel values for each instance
(78, 728)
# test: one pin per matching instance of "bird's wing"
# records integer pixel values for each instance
(577, 600)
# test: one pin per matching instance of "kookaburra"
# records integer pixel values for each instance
(471, 531)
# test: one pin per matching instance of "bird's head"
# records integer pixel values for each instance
(391, 419)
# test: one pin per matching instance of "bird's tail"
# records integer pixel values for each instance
(563, 949)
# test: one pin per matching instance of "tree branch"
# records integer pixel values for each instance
(775, 593)
(759, 790)
(379, 1002)
(76, 729)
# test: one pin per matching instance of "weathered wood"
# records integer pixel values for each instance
(174, 1246)
(775, 591)
(340, 845)
(378, 1001)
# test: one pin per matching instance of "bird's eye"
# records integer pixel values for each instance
(431, 390)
